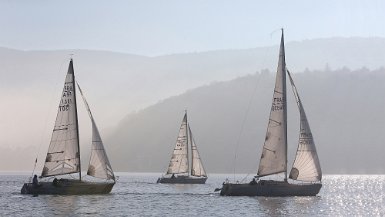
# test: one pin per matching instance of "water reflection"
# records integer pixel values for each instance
(75, 205)
(183, 188)
(272, 206)
(60, 205)
(280, 206)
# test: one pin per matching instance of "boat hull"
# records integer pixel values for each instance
(270, 189)
(182, 180)
(67, 187)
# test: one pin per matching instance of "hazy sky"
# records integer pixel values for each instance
(154, 27)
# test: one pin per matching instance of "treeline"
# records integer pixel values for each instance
(345, 109)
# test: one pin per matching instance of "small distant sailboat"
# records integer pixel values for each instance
(306, 167)
(178, 171)
(63, 155)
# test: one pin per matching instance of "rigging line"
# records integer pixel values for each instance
(247, 175)
(49, 112)
(243, 124)
(266, 56)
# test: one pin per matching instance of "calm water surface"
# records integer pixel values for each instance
(136, 194)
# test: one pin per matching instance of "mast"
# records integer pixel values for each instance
(282, 55)
(187, 138)
(76, 118)
(63, 152)
(274, 153)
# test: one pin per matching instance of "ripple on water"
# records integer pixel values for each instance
(137, 195)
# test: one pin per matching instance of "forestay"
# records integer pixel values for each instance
(306, 166)
(99, 165)
(179, 159)
(63, 153)
(197, 166)
(274, 153)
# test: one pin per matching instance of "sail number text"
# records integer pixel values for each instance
(278, 104)
(65, 100)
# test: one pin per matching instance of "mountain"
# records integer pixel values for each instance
(117, 84)
(344, 108)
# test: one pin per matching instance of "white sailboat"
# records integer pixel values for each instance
(63, 156)
(306, 167)
(180, 171)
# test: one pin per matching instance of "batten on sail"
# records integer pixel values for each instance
(306, 166)
(63, 153)
(99, 165)
(179, 159)
(274, 154)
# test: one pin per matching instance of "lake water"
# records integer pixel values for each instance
(136, 194)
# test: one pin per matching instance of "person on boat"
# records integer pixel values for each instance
(173, 176)
(55, 182)
(253, 182)
(35, 182)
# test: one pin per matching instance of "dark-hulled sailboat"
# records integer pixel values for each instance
(63, 156)
(305, 175)
(178, 171)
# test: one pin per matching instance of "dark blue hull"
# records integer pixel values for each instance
(182, 180)
(270, 189)
(67, 187)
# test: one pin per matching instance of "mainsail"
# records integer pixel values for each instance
(179, 159)
(63, 155)
(197, 166)
(274, 153)
(306, 166)
(99, 166)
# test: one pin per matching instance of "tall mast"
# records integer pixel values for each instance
(274, 152)
(282, 53)
(76, 117)
(188, 144)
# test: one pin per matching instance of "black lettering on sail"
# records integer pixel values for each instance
(278, 100)
(276, 107)
(278, 104)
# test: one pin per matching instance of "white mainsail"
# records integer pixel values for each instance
(179, 159)
(274, 153)
(306, 166)
(63, 155)
(197, 166)
(99, 165)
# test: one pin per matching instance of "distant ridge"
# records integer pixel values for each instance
(346, 118)
(142, 81)
(118, 84)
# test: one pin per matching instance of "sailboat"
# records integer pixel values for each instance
(305, 175)
(63, 156)
(178, 171)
